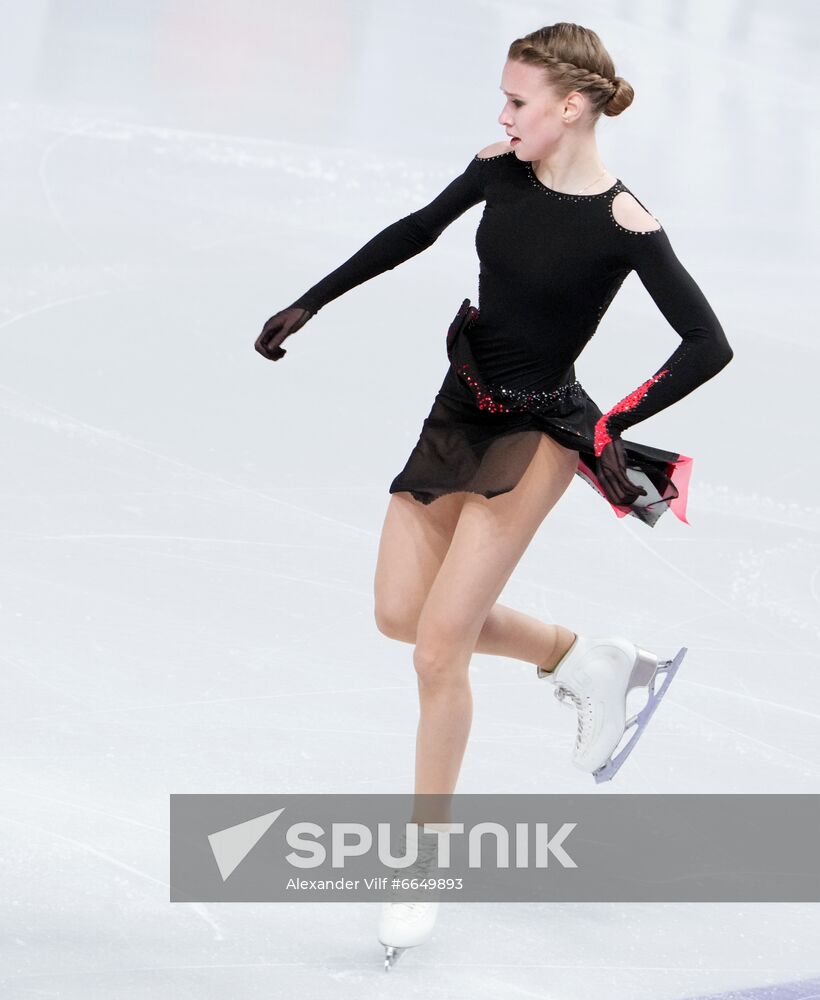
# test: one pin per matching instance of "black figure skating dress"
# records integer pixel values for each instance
(550, 264)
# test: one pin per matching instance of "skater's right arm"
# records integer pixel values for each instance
(401, 240)
(392, 246)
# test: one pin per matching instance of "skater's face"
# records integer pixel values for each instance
(533, 111)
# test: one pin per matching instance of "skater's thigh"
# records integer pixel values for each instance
(489, 539)
(414, 540)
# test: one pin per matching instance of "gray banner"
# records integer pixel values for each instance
(576, 848)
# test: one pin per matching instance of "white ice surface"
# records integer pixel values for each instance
(189, 531)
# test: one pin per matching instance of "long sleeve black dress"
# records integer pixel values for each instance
(550, 265)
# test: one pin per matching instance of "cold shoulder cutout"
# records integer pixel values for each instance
(631, 216)
(495, 149)
(551, 263)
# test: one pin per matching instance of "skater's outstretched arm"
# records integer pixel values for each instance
(704, 349)
(400, 240)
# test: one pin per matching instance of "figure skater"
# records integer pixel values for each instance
(510, 425)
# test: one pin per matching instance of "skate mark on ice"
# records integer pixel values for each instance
(751, 739)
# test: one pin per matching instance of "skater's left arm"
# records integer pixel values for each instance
(704, 349)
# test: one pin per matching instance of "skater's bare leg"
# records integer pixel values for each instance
(514, 634)
(414, 541)
(507, 632)
(490, 537)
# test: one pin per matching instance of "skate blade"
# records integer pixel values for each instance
(391, 956)
(607, 771)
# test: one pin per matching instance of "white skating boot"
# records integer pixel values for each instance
(406, 924)
(596, 674)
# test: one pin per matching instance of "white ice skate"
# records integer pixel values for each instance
(405, 924)
(596, 675)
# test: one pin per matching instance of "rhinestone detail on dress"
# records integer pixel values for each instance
(495, 157)
(563, 196)
(634, 232)
(602, 436)
(515, 399)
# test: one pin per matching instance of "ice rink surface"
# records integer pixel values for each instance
(189, 531)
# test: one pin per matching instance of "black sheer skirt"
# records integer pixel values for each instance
(480, 438)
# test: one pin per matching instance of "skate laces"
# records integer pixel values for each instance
(427, 852)
(420, 868)
(563, 693)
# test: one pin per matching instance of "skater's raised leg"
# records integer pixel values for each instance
(414, 541)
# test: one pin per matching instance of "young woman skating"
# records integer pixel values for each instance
(511, 425)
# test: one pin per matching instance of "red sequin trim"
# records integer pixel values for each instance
(602, 437)
(519, 400)
(483, 398)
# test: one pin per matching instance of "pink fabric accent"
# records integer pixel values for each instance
(680, 472)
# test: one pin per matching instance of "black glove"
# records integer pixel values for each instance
(277, 328)
(612, 475)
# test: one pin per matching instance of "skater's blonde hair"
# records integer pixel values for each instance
(574, 58)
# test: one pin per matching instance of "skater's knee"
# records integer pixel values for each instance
(440, 658)
(430, 664)
(395, 622)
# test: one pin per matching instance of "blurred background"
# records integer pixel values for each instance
(189, 531)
